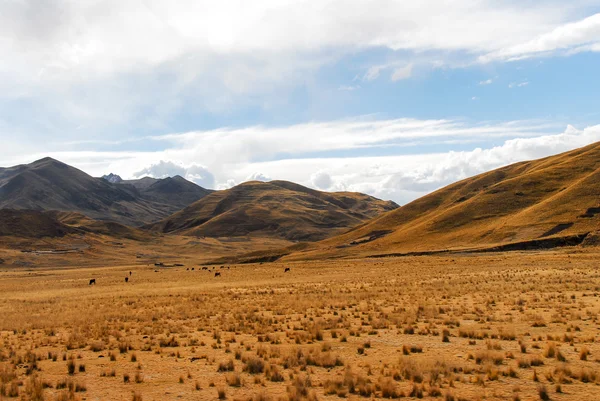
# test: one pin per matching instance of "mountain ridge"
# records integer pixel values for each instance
(49, 184)
(276, 208)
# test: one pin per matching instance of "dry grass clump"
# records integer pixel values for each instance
(254, 365)
(234, 379)
(228, 366)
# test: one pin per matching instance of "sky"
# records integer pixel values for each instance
(388, 97)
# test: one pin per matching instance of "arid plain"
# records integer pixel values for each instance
(514, 325)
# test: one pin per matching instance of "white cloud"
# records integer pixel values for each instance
(348, 88)
(474, 98)
(518, 84)
(161, 169)
(231, 156)
(402, 73)
(230, 183)
(321, 180)
(64, 41)
(258, 177)
(200, 175)
(194, 172)
(486, 82)
(373, 72)
(107, 67)
(582, 34)
(400, 70)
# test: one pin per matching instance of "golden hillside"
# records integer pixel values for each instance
(554, 197)
(276, 209)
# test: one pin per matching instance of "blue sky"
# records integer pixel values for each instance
(393, 98)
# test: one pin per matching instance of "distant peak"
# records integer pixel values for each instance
(45, 160)
(112, 178)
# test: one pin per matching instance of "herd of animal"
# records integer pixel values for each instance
(217, 274)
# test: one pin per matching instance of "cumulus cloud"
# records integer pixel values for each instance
(402, 175)
(321, 180)
(258, 177)
(435, 171)
(200, 175)
(230, 183)
(194, 172)
(162, 169)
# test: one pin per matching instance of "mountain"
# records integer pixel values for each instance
(53, 224)
(275, 209)
(48, 184)
(176, 191)
(543, 203)
(112, 178)
(31, 224)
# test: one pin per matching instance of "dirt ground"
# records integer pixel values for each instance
(514, 326)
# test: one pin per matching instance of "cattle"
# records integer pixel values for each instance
(217, 274)
(130, 273)
(126, 279)
(193, 268)
(92, 281)
(205, 268)
(287, 269)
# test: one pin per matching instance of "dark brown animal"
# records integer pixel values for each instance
(217, 274)
(287, 269)
(126, 279)
(130, 273)
(92, 281)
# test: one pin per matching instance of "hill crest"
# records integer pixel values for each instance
(277, 208)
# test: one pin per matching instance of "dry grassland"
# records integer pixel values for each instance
(519, 326)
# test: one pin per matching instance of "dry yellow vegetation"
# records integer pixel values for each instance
(503, 326)
(535, 204)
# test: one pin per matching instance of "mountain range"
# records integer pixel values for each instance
(554, 201)
(278, 209)
(48, 184)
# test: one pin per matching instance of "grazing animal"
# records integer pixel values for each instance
(217, 274)
(92, 281)
(126, 279)
(205, 268)
(287, 269)
(193, 268)
(130, 273)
